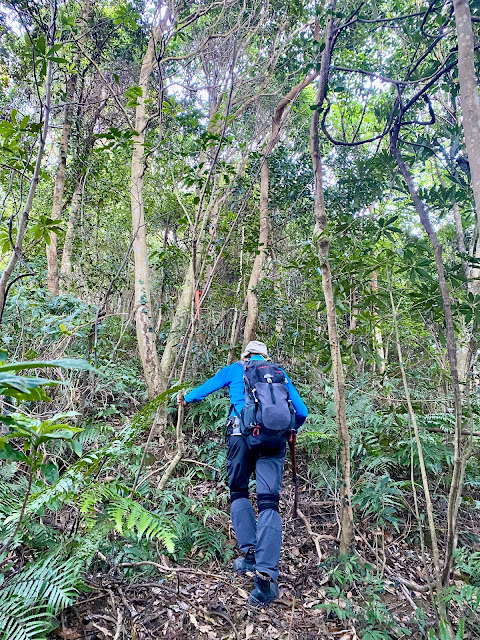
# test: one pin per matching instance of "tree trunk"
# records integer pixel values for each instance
(59, 187)
(252, 298)
(421, 459)
(469, 94)
(456, 483)
(238, 313)
(466, 342)
(236, 328)
(66, 265)
(252, 295)
(346, 512)
(143, 307)
(23, 221)
(278, 292)
(460, 238)
(179, 321)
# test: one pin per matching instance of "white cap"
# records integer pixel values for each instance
(255, 347)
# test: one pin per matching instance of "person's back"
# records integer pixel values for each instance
(251, 446)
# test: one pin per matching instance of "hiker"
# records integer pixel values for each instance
(265, 411)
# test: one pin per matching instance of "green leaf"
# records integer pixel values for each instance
(50, 472)
(6, 128)
(64, 363)
(363, 352)
(77, 447)
(443, 630)
(40, 44)
(8, 452)
(24, 388)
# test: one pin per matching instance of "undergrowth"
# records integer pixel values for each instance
(77, 517)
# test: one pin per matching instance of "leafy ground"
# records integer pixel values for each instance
(367, 599)
(98, 555)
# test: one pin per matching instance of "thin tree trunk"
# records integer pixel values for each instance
(23, 221)
(179, 321)
(456, 483)
(143, 308)
(278, 118)
(466, 343)
(59, 187)
(460, 238)
(346, 512)
(377, 332)
(66, 264)
(252, 294)
(423, 471)
(277, 288)
(237, 315)
(236, 328)
(182, 313)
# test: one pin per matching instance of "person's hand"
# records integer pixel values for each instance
(181, 398)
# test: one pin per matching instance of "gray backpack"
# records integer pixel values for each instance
(268, 416)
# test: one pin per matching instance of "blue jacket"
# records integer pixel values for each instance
(232, 377)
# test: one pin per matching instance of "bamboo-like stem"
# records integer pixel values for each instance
(423, 471)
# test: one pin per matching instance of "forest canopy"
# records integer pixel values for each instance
(180, 178)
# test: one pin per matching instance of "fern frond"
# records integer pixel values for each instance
(127, 515)
(31, 598)
(48, 581)
(21, 621)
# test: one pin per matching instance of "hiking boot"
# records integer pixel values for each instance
(247, 563)
(265, 591)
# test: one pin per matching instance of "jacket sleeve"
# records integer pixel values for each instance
(301, 411)
(221, 379)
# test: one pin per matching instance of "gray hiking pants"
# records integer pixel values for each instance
(265, 534)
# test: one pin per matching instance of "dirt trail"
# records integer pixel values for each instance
(210, 603)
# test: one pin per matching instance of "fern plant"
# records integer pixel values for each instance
(379, 498)
(125, 514)
(30, 600)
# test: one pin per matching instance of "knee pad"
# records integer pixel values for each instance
(236, 495)
(268, 501)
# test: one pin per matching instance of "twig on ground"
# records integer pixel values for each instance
(119, 613)
(202, 464)
(413, 586)
(149, 475)
(165, 569)
(291, 620)
(408, 597)
(212, 612)
(105, 632)
(130, 608)
(316, 537)
(119, 624)
(206, 612)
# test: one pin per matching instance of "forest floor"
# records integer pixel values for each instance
(209, 602)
